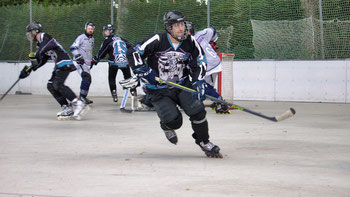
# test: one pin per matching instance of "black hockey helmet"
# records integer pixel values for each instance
(34, 26)
(109, 27)
(172, 17)
(89, 23)
(32, 30)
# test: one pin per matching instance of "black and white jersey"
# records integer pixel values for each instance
(116, 48)
(170, 62)
(48, 47)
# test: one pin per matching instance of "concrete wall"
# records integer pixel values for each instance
(310, 81)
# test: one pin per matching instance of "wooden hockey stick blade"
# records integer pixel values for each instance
(281, 117)
(289, 113)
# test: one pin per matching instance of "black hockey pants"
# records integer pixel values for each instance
(112, 73)
(57, 88)
(165, 102)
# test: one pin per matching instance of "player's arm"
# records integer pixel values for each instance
(41, 58)
(74, 50)
(198, 66)
(137, 55)
(102, 52)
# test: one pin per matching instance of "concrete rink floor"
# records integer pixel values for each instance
(110, 153)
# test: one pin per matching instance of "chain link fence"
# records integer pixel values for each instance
(251, 29)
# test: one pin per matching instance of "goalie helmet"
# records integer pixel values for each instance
(171, 18)
(32, 30)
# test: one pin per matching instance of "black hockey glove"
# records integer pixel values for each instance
(93, 62)
(200, 86)
(79, 59)
(25, 72)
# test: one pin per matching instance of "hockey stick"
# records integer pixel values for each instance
(3, 96)
(122, 105)
(289, 113)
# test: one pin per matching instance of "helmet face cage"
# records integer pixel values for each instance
(171, 18)
(32, 30)
(89, 24)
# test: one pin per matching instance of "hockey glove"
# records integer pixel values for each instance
(147, 73)
(25, 72)
(131, 83)
(33, 59)
(200, 86)
(79, 59)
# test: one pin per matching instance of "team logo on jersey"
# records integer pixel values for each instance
(170, 65)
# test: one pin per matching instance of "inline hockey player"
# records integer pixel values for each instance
(168, 56)
(82, 51)
(48, 47)
(207, 39)
(116, 49)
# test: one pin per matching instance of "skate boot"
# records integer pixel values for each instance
(222, 109)
(80, 108)
(86, 100)
(115, 96)
(211, 150)
(66, 113)
(171, 135)
(213, 106)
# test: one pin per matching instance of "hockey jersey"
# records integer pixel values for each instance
(48, 47)
(203, 38)
(116, 48)
(168, 62)
(84, 46)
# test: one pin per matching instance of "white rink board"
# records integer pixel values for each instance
(36, 82)
(310, 81)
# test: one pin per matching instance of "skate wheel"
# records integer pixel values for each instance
(218, 155)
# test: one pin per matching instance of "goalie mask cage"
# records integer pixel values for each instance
(225, 78)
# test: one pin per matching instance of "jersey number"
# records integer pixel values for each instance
(119, 48)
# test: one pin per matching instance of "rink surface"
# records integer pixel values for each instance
(110, 153)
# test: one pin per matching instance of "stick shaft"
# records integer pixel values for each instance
(3, 96)
(218, 100)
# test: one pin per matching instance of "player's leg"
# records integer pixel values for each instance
(67, 109)
(85, 83)
(112, 74)
(196, 111)
(169, 115)
(58, 84)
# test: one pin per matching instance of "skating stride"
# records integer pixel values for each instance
(48, 47)
(174, 56)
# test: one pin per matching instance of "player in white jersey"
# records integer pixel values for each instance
(207, 39)
(82, 51)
